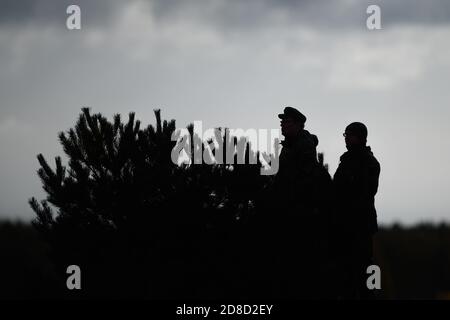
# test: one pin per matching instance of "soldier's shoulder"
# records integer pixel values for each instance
(372, 160)
(344, 157)
(307, 139)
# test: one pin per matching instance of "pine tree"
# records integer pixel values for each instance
(135, 222)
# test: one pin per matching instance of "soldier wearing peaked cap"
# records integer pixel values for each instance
(298, 158)
(299, 183)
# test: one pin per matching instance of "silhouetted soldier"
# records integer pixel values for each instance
(356, 183)
(297, 161)
(296, 219)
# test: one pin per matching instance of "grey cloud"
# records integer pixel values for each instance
(251, 14)
(14, 13)
(235, 15)
(48, 76)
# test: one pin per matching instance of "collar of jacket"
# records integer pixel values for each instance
(357, 152)
(291, 141)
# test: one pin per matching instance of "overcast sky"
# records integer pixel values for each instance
(235, 64)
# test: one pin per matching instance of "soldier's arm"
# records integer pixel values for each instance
(308, 159)
(374, 175)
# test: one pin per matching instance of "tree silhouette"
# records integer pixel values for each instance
(139, 225)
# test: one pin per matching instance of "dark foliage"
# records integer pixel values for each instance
(139, 225)
(415, 263)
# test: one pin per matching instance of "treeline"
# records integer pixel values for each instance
(415, 264)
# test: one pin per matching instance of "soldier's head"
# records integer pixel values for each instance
(292, 122)
(355, 135)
